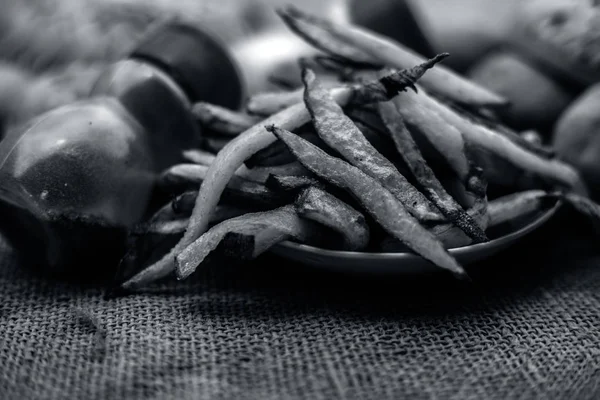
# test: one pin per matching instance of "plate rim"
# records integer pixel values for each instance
(456, 251)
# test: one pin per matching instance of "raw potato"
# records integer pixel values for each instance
(577, 137)
(536, 99)
(564, 34)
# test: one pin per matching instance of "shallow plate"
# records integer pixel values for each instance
(409, 263)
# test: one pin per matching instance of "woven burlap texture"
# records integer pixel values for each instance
(527, 328)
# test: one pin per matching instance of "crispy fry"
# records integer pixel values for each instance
(430, 184)
(183, 205)
(464, 118)
(383, 206)
(445, 138)
(221, 120)
(374, 49)
(277, 153)
(266, 104)
(267, 228)
(339, 132)
(512, 206)
(272, 155)
(171, 176)
(367, 91)
(232, 156)
(323, 35)
(451, 236)
(182, 177)
(383, 144)
(291, 183)
(322, 207)
(173, 227)
(261, 174)
(437, 121)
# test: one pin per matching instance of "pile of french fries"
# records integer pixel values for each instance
(379, 151)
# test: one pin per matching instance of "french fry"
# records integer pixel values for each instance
(264, 229)
(277, 154)
(183, 205)
(185, 177)
(257, 174)
(439, 123)
(445, 138)
(466, 119)
(427, 179)
(383, 206)
(339, 132)
(221, 120)
(345, 40)
(290, 183)
(516, 205)
(173, 227)
(240, 148)
(266, 104)
(320, 206)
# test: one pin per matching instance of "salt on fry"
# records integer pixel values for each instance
(383, 206)
(232, 156)
(432, 187)
(320, 206)
(340, 133)
(375, 49)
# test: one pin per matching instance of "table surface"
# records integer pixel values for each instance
(527, 327)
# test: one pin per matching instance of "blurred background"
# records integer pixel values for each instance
(541, 55)
(50, 50)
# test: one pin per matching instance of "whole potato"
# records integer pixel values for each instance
(577, 137)
(536, 100)
(467, 29)
(563, 34)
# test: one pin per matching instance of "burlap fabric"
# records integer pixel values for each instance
(527, 328)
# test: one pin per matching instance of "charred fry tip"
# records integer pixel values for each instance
(397, 82)
(271, 128)
(418, 71)
(435, 59)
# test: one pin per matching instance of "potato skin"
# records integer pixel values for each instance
(536, 99)
(576, 137)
